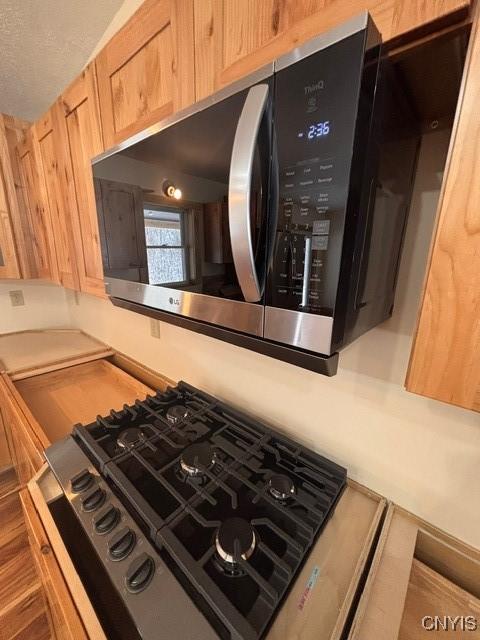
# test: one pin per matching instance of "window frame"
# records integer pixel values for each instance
(184, 246)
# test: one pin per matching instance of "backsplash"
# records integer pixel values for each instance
(44, 306)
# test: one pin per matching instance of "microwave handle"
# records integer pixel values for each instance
(239, 188)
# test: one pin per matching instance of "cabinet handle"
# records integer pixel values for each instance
(45, 549)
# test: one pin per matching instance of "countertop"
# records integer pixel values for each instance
(25, 351)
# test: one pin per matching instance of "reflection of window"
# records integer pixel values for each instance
(167, 250)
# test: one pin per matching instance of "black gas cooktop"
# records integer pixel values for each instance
(232, 506)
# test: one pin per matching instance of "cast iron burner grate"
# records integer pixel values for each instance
(189, 478)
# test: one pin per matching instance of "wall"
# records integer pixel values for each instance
(422, 454)
(148, 176)
(45, 306)
(127, 8)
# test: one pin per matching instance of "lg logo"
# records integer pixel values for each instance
(174, 301)
(449, 623)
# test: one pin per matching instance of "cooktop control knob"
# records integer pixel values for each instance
(81, 481)
(121, 544)
(93, 500)
(106, 520)
(140, 573)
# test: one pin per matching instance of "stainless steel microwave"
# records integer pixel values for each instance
(272, 213)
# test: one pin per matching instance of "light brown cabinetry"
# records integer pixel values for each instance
(25, 449)
(418, 571)
(445, 362)
(9, 264)
(235, 37)
(55, 166)
(65, 623)
(55, 401)
(62, 143)
(36, 199)
(79, 109)
(37, 409)
(16, 228)
(28, 353)
(146, 71)
(22, 609)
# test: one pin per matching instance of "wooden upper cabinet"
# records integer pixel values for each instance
(445, 360)
(16, 230)
(235, 37)
(56, 169)
(37, 204)
(79, 110)
(146, 71)
(9, 265)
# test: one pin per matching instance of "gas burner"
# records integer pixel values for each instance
(281, 487)
(235, 540)
(130, 437)
(197, 458)
(177, 413)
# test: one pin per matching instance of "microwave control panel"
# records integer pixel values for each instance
(316, 107)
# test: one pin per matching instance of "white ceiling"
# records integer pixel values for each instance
(44, 44)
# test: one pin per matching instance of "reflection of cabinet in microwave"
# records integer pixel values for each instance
(122, 230)
(218, 249)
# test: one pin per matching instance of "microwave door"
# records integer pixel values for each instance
(169, 238)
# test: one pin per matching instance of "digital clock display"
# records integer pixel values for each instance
(316, 130)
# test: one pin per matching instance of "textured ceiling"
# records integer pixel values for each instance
(44, 44)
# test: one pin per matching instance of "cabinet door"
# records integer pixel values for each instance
(54, 164)
(122, 218)
(6, 461)
(12, 131)
(9, 267)
(37, 203)
(235, 37)
(80, 111)
(445, 362)
(63, 616)
(146, 71)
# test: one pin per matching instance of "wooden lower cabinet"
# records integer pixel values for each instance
(65, 623)
(25, 451)
(418, 574)
(26, 619)
(22, 606)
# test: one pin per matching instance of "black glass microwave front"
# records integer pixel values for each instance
(163, 207)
